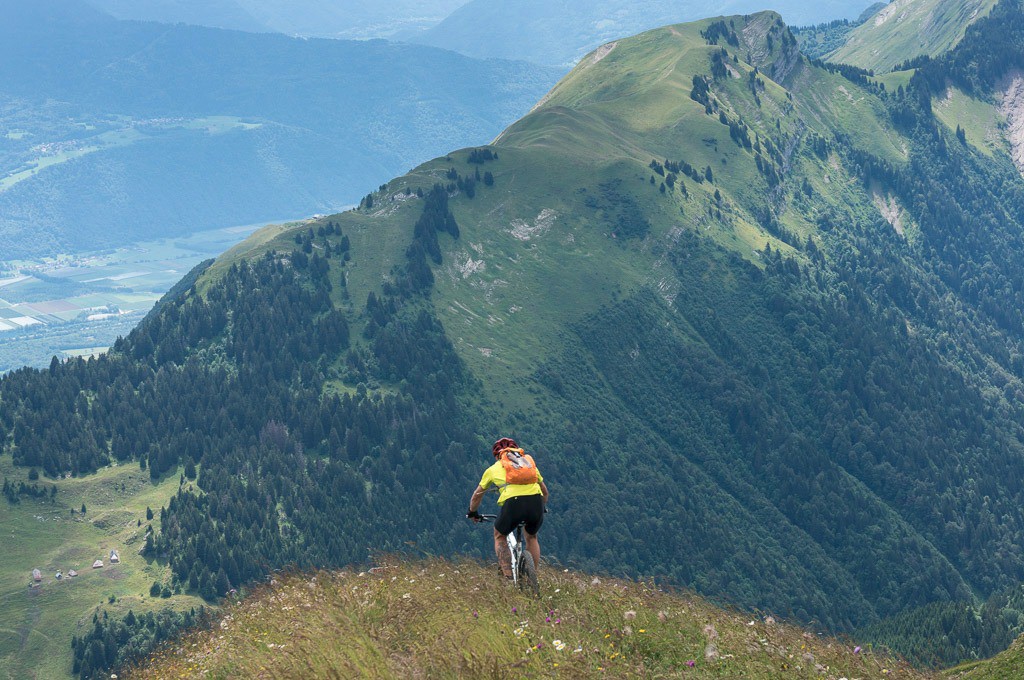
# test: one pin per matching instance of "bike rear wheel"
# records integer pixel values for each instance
(528, 575)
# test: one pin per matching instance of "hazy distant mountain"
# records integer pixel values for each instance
(324, 18)
(213, 13)
(112, 129)
(559, 32)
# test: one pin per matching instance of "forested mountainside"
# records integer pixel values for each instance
(758, 317)
(117, 131)
(819, 39)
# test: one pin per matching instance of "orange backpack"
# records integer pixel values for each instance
(519, 466)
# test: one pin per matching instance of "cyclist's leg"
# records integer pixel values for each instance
(533, 520)
(502, 552)
(533, 547)
(503, 526)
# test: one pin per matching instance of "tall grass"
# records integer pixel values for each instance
(439, 619)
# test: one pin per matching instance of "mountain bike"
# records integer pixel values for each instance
(524, 571)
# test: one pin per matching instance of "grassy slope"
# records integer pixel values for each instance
(443, 620)
(38, 623)
(1005, 666)
(981, 121)
(606, 121)
(909, 28)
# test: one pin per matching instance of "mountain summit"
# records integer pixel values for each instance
(754, 316)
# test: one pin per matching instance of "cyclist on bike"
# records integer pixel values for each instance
(519, 503)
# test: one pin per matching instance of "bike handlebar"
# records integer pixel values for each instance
(491, 518)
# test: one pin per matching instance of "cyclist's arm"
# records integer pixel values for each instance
(478, 496)
(544, 492)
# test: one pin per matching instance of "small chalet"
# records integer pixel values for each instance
(58, 576)
(114, 558)
(98, 564)
(37, 575)
(72, 573)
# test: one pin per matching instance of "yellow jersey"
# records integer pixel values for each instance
(495, 476)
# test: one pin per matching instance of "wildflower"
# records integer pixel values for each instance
(518, 632)
(691, 663)
(856, 650)
(558, 590)
(559, 645)
(547, 619)
(514, 610)
(643, 630)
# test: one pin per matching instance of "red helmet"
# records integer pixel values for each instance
(503, 443)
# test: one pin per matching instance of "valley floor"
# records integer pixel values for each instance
(78, 304)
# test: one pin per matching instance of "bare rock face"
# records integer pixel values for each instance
(1012, 108)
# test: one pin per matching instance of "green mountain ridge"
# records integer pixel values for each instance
(561, 33)
(748, 310)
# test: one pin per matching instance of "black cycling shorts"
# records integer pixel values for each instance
(527, 509)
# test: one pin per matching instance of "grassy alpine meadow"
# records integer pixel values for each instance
(981, 122)
(42, 533)
(442, 619)
(906, 29)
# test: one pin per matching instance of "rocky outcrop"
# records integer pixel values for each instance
(1012, 109)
